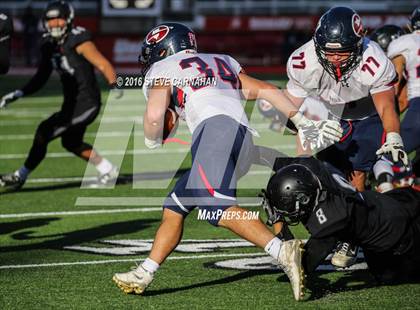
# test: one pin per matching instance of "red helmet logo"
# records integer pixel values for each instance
(157, 34)
(357, 25)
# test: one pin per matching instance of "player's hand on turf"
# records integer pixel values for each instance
(10, 97)
(394, 146)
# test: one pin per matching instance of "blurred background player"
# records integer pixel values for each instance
(6, 30)
(70, 51)
(405, 54)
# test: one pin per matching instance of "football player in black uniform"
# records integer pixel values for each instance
(385, 225)
(6, 30)
(70, 51)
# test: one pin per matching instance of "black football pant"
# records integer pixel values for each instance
(70, 129)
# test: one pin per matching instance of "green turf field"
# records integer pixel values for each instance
(60, 244)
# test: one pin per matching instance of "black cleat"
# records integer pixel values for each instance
(11, 181)
(345, 255)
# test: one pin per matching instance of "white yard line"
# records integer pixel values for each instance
(129, 152)
(110, 261)
(85, 212)
(156, 201)
(93, 178)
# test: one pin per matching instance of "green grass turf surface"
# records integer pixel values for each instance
(190, 282)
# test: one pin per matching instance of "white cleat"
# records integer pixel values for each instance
(290, 260)
(135, 281)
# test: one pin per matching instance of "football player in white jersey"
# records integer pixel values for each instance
(405, 54)
(208, 89)
(354, 79)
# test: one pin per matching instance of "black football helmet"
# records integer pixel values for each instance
(385, 34)
(415, 20)
(340, 29)
(165, 40)
(58, 9)
(292, 194)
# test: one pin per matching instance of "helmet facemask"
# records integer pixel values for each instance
(342, 72)
(59, 10)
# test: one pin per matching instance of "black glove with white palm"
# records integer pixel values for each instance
(317, 134)
(395, 146)
(10, 97)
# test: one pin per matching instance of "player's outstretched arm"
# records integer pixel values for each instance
(35, 83)
(384, 102)
(399, 64)
(314, 134)
(95, 57)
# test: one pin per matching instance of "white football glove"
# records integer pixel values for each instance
(307, 131)
(10, 97)
(330, 132)
(395, 146)
(317, 134)
(152, 144)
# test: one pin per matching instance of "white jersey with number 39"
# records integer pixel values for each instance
(375, 73)
(408, 46)
(203, 85)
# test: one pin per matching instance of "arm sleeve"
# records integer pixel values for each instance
(316, 250)
(42, 75)
(6, 30)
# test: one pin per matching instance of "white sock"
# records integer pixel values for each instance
(104, 166)
(273, 247)
(23, 172)
(150, 265)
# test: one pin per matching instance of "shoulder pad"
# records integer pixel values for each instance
(77, 36)
(302, 63)
(375, 65)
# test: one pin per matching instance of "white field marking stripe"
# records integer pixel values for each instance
(109, 134)
(110, 261)
(129, 152)
(108, 120)
(86, 212)
(93, 178)
(149, 201)
(93, 212)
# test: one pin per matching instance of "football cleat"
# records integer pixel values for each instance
(133, 282)
(106, 178)
(290, 260)
(345, 255)
(11, 181)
